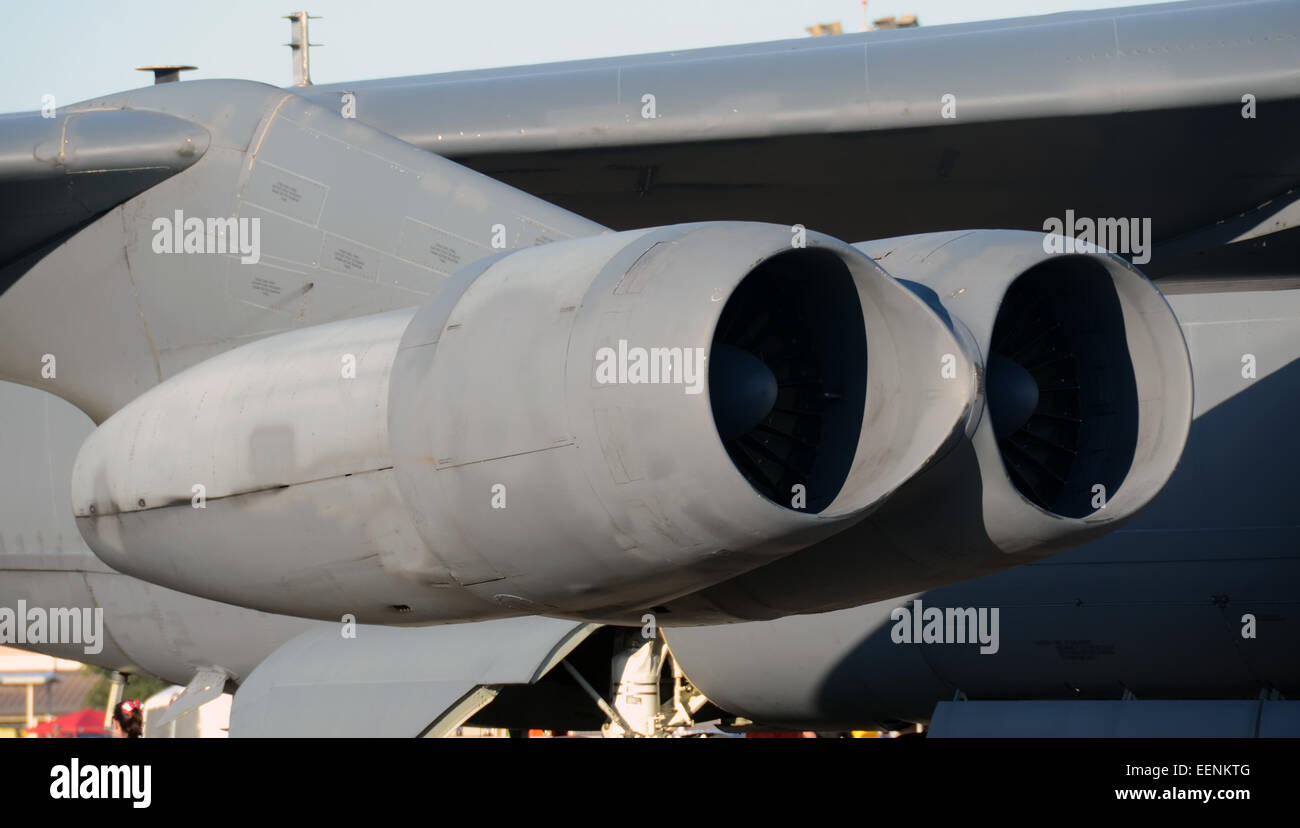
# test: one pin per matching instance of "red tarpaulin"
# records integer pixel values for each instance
(80, 723)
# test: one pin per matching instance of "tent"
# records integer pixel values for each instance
(88, 722)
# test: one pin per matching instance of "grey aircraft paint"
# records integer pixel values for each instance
(1076, 113)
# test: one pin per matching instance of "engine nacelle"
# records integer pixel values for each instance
(1085, 406)
(587, 428)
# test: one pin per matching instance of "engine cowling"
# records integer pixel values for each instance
(1084, 408)
(587, 428)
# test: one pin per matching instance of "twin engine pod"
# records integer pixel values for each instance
(586, 429)
(1084, 410)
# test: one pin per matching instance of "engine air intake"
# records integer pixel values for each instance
(788, 376)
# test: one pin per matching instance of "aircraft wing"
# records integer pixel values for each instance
(992, 124)
(859, 136)
(59, 172)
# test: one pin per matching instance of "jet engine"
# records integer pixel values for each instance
(1085, 402)
(588, 428)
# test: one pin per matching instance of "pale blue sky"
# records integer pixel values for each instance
(77, 49)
